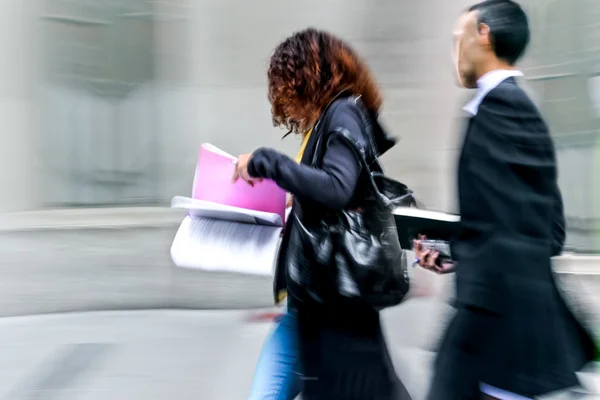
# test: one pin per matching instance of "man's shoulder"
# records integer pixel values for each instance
(508, 113)
(509, 94)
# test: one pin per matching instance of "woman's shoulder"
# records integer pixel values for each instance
(345, 114)
(344, 108)
(349, 113)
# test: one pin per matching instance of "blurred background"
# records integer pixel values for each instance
(104, 104)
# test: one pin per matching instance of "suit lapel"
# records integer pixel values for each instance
(467, 125)
(464, 154)
(468, 132)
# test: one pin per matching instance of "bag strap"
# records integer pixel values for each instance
(358, 104)
(360, 154)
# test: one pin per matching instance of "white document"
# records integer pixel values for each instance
(207, 209)
(226, 246)
(216, 237)
(418, 213)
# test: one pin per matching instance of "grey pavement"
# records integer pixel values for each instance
(128, 355)
(170, 354)
(163, 354)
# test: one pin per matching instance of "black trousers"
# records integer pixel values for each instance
(530, 350)
(344, 356)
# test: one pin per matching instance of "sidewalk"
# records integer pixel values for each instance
(129, 355)
(168, 354)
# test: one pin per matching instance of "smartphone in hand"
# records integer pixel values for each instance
(440, 246)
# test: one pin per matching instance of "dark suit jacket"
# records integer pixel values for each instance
(511, 209)
(512, 329)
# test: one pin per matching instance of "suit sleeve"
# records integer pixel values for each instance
(332, 185)
(518, 178)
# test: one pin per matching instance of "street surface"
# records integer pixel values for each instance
(164, 354)
(178, 354)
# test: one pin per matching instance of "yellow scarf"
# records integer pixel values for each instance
(303, 146)
(283, 293)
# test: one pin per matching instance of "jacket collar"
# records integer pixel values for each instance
(486, 84)
(383, 141)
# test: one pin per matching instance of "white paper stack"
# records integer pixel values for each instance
(215, 237)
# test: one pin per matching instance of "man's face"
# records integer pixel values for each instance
(467, 52)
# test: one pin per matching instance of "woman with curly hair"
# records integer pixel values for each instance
(318, 85)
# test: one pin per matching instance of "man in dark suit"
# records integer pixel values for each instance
(512, 336)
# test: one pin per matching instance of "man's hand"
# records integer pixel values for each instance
(427, 258)
(241, 170)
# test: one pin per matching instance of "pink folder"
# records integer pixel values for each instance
(212, 182)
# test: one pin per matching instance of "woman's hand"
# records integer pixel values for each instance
(241, 170)
(427, 258)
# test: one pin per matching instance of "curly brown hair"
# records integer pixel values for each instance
(308, 70)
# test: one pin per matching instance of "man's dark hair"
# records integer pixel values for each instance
(509, 28)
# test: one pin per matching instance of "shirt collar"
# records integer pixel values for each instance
(487, 83)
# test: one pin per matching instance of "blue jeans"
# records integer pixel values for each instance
(276, 376)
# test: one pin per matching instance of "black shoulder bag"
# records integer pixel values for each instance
(352, 254)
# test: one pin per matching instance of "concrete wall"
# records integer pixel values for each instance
(215, 91)
(69, 146)
(111, 259)
(19, 61)
(211, 58)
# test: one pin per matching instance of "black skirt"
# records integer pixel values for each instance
(344, 356)
(533, 348)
